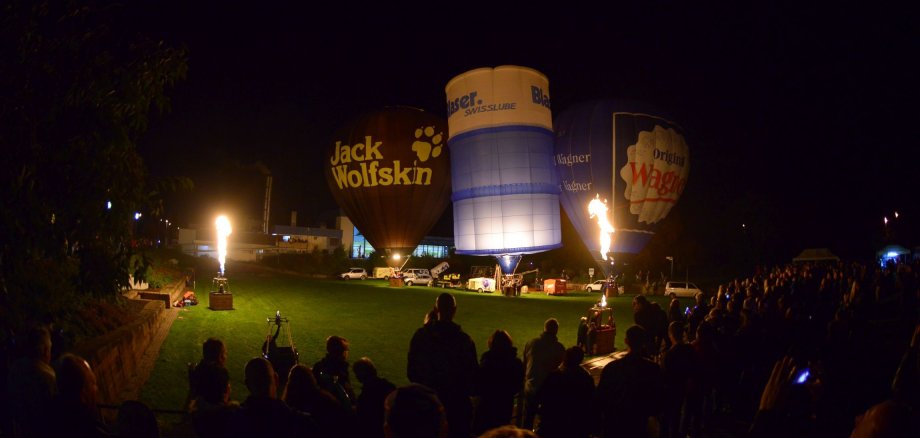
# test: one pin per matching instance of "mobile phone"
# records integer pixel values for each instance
(802, 376)
(687, 310)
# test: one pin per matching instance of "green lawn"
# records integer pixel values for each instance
(378, 321)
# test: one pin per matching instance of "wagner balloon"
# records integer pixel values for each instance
(627, 154)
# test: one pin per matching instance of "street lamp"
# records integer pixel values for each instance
(671, 259)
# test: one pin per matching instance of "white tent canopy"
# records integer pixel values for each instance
(815, 255)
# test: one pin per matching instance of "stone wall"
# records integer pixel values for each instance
(122, 358)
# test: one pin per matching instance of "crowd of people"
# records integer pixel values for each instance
(798, 350)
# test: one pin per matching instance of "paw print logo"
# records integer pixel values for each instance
(427, 144)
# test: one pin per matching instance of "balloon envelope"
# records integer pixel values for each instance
(627, 154)
(505, 190)
(389, 171)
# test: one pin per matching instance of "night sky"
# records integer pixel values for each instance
(800, 121)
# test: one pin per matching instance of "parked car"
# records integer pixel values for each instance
(354, 274)
(676, 289)
(417, 276)
(598, 286)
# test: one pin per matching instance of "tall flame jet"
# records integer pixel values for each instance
(223, 230)
(598, 209)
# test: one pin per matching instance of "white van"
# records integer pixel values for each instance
(685, 289)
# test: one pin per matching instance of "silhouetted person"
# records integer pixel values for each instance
(332, 371)
(213, 352)
(565, 398)
(499, 380)
(262, 414)
(443, 358)
(74, 410)
(542, 355)
(370, 403)
(31, 384)
(414, 411)
(212, 412)
(679, 367)
(303, 394)
(630, 390)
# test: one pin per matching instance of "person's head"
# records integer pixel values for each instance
(337, 346)
(636, 339)
(447, 307)
(135, 419)
(572, 357)
(213, 383)
(36, 342)
(414, 411)
(364, 369)
(699, 299)
(551, 326)
(676, 332)
(213, 350)
(301, 384)
(675, 304)
(260, 378)
(76, 381)
(500, 340)
(887, 419)
(508, 431)
(639, 302)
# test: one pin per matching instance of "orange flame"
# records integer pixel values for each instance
(598, 209)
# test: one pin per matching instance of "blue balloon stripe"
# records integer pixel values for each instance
(499, 130)
(506, 189)
(502, 251)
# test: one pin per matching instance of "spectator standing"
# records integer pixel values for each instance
(499, 380)
(630, 390)
(542, 355)
(564, 399)
(370, 403)
(679, 367)
(443, 358)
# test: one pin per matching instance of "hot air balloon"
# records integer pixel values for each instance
(505, 190)
(627, 161)
(389, 171)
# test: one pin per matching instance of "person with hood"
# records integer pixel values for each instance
(500, 378)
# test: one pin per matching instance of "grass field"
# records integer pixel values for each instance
(377, 320)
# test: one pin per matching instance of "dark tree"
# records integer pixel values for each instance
(76, 85)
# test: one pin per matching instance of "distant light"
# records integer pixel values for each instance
(895, 215)
(891, 254)
(108, 205)
(743, 226)
(886, 220)
(137, 215)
